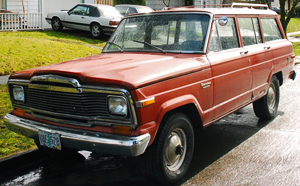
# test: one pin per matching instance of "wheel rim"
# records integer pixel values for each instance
(175, 149)
(95, 30)
(56, 24)
(271, 98)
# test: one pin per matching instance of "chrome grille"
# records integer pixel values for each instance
(65, 100)
(79, 104)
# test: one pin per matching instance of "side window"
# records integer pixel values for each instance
(224, 36)
(270, 29)
(214, 44)
(94, 12)
(79, 10)
(250, 33)
(257, 30)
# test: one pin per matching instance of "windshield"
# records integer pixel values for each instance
(182, 33)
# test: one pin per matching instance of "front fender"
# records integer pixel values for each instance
(176, 103)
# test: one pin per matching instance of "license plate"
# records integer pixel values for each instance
(50, 140)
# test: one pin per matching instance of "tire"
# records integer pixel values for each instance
(56, 24)
(96, 30)
(169, 157)
(266, 107)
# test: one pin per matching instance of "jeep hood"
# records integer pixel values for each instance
(128, 70)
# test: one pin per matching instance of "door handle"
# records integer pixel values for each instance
(267, 48)
(244, 52)
(82, 17)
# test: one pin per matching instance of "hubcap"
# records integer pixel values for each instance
(271, 98)
(95, 30)
(56, 23)
(175, 149)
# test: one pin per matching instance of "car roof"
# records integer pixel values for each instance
(225, 9)
(96, 5)
(130, 5)
(221, 11)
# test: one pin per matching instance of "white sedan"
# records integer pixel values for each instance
(96, 18)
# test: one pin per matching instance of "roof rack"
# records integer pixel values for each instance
(232, 5)
(250, 5)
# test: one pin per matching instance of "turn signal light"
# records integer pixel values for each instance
(123, 130)
(19, 112)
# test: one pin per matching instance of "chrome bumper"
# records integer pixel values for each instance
(80, 139)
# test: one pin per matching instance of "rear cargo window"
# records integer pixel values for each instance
(270, 29)
(224, 37)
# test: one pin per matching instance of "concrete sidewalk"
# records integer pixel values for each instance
(3, 79)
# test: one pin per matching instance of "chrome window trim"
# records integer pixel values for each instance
(78, 88)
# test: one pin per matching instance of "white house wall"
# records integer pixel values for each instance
(158, 4)
(31, 6)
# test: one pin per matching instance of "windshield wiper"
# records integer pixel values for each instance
(118, 46)
(150, 45)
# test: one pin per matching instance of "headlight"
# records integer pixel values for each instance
(18, 93)
(117, 105)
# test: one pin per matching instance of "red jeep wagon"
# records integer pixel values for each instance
(160, 75)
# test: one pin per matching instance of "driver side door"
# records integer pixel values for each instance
(76, 17)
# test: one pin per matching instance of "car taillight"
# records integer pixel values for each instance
(114, 22)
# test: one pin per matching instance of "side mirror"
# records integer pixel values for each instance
(223, 20)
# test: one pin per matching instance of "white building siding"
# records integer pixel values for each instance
(16, 5)
(31, 6)
(158, 4)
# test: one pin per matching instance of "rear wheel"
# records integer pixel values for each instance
(56, 24)
(96, 30)
(266, 107)
(170, 155)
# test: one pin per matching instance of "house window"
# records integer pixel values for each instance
(2, 4)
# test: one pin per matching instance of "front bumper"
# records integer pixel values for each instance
(48, 20)
(80, 139)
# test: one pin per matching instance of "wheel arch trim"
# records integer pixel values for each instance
(177, 103)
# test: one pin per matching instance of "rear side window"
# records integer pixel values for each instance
(270, 29)
(224, 37)
(250, 32)
(94, 12)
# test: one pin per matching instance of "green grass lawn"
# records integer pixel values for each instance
(294, 25)
(24, 50)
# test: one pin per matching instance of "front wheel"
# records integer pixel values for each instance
(56, 24)
(169, 157)
(266, 107)
(96, 30)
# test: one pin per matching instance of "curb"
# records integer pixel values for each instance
(19, 159)
(4, 79)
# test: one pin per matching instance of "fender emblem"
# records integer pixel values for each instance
(205, 85)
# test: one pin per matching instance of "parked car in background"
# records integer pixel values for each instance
(126, 9)
(276, 9)
(97, 19)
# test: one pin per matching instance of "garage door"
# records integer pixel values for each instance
(56, 5)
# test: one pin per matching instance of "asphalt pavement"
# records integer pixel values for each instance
(269, 157)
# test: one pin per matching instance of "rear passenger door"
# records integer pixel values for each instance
(259, 53)
(279, 47)
(231, 70)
